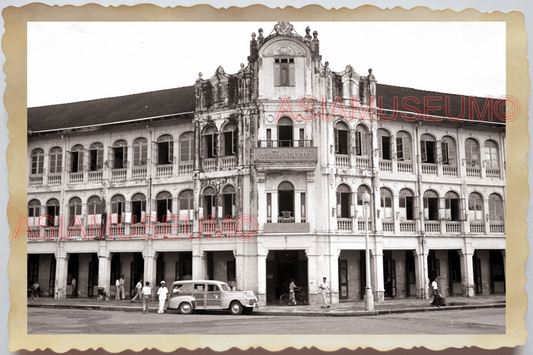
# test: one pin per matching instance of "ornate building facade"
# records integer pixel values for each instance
(259, 177)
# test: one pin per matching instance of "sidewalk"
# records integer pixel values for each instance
(343, 309)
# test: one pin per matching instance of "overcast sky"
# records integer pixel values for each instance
(76, 61)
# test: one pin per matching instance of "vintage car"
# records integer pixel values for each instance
(186, 296)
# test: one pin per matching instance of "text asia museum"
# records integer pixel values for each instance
(258, 177)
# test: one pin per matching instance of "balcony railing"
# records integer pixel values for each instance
(497, 228)
(285, 143)
(164, 170)
(429, 169)
(493, 173)
(342, 160)
(344, 224)
(361, 226)
(229, 162)
(185, 168)
(54, 179)
(119, 174)
(432, 226)
(473, 172)
(405, 167)
(286, 220)
(226, 226)
(453, 227)
(362, 162)
(476, 227)
(388, 227)
(209, 164)
(117, 230)
(407, 227)
(138, 172)
(385, 165)
(449, 170)
(76, 178)
(95, 176)
(36, 180)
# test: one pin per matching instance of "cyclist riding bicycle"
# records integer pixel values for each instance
(292, 299)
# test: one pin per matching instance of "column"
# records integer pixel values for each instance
(311, 202)
(199, 269)
(61, 272)
(150, 263)
(297, 208)
(104, 267)
(129, 163)
(376, 267)
(467, 270)
(314, 277)
(334, 274)
(421, 265)
(239, 267)
(261, 274)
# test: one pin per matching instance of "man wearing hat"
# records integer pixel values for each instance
(162, 293)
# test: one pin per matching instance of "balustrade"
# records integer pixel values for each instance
(229, 162)
(453, 227)
(119, 174)
(164, 170)
(76, 178)
(342, 160)
(185, 168)
(388, 227)
(473, 172)
(54, 179)
(478, 228)
(497, 228)
(407, 226)
(362, 162)
(36, 180)
(138, 172)
(361, 226)
(493, 173)
(432, 226)
(344, 224)
(95, 176)
(449, 170)
(385, 165)
(209, 164)
(429, 169)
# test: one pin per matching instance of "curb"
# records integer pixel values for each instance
(293, 314)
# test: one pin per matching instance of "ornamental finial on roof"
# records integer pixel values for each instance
(283, 28)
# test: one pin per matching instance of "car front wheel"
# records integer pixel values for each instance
(235, 308)
(185, 308)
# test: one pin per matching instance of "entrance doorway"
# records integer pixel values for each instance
(283, 266)
(389, 274)
(136, 271)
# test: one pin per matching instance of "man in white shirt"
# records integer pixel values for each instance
(147, 293)
(323, 288)
(138, 291)
(162, 293)
(436, 296)
(117, 290)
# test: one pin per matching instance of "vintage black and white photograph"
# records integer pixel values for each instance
(281, 177)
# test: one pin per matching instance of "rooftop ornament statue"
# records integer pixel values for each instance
(283, 28)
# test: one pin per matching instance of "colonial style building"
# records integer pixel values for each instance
(259, 176)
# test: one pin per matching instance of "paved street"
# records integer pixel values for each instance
(74, 321)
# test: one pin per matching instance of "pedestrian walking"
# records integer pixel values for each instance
(162, 293)
(122, 291)
(292, 298)
(146, 295)
(74, 290)
(436, 296)
(323, 288)
(35, 289)
(117, 289)
(138, 290)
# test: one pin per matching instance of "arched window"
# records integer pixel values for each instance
(491, 154)
(118, 203)
(140, 151)
(34, 211)
(286, 202)
(52, 212)
(386, 203)
(344, 201)
(96, 151)
(342, 134)
(406, 205)
(431, 205)
(472, 152)
(119, 154)
(228, 201)
(209, 146)
(384, 144)
(209, 202)
(475, 207)
(284, 72)
(452, 206)
(186, 204)
(360, 206)
(138, 208)
(76, 159)
(403, 146)
(74, 210)
(165, 150)
(285, 132)
(362, 140)
(229, 139)
(187, 147)
(164, 206)
(448, 151)
(37, 161)
(56, 157)
(428, 148)
(496, 208)
(94, 209)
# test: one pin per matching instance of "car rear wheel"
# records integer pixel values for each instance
(185, 308)
(235, 308)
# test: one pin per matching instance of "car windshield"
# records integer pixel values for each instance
(225, 287)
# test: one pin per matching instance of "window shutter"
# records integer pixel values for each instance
(462, 207)
(292, 74)
(233, 142)
(380, 146)
(406, 149)
(214, 144)
(154, 153)
(364, 143)
(336, 141)
(423, 151)
(100, 159)
(442, 207)
(110, 157)
(223, 149)
(68, 164)
(125, 157)
(83, 160)
(399, 149)
(171, 151)
(277, 71)
(416, 203)
(439, 151)
(358, 143)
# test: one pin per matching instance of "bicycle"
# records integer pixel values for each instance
(298, 296)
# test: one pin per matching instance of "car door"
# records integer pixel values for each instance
(199, 293)
(213, 295)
